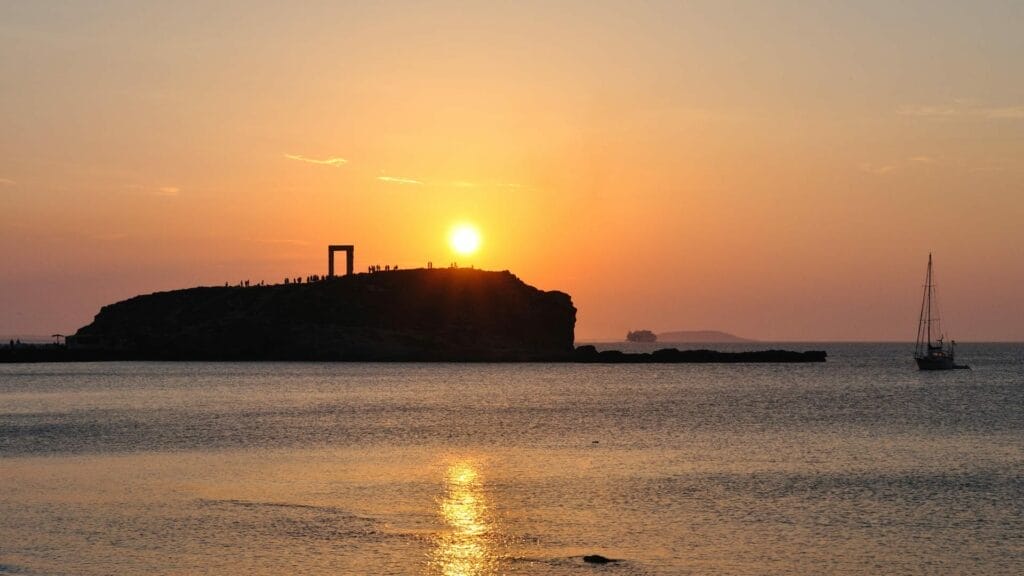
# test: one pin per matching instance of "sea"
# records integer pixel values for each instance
(861, 465)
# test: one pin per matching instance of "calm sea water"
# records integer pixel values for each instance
(861, 465)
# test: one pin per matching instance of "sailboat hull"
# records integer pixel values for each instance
(935, 363)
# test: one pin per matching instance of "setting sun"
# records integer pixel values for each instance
(465, 239)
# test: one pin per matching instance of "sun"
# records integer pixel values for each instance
(465, 239)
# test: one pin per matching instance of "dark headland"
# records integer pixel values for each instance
(458, 315)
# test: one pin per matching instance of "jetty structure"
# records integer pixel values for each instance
(383, 315)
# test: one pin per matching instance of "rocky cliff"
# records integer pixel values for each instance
(429, 315)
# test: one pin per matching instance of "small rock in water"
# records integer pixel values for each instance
(598, 559)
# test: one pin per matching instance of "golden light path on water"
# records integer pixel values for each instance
(464, 547)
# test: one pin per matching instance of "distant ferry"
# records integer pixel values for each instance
(642, 336)
(932, 354)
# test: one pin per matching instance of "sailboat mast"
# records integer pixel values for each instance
(928, 291)
(918, 345)
(940, 355)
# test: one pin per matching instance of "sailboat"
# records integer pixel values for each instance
(930, 351)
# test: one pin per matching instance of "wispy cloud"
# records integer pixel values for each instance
(920, 160)
(110, 236)
(990, 165)
(963, 109)
(7, 182)
(928, 111)
(397, 180)
(486, 184)
(877, 169)
(1009, 113)
(279, 241)
(162, 191)
(334, 162)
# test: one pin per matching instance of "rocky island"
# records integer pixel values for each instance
(402, 315)
(421, 315)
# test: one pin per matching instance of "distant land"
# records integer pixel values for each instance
(700, 337)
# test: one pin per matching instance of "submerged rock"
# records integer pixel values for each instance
(598, 559)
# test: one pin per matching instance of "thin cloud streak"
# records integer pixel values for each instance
(7, 182)
(487, 184)
(162, 191)
(333, 162)
(963, 109)
(397, 180)
(928, 111)
(1010, 113)
(877, 170)
(279, 241)
(110, 237)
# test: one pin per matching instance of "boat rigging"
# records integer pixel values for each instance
(930, 350)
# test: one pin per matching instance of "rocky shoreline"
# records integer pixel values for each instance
(582, 355)
(590, 355)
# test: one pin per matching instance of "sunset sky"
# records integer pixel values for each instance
(779, 170)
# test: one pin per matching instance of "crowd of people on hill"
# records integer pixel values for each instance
(308, 279)
(452, 265)
(373, 268)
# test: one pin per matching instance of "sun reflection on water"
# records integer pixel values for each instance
(464, 547)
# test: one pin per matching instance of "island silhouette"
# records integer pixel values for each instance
(442, 314)
(700, 336)
(384, 315)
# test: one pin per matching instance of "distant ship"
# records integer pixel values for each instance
(641, 336)
(932, 354)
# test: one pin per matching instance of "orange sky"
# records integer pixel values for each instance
(776, 170)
